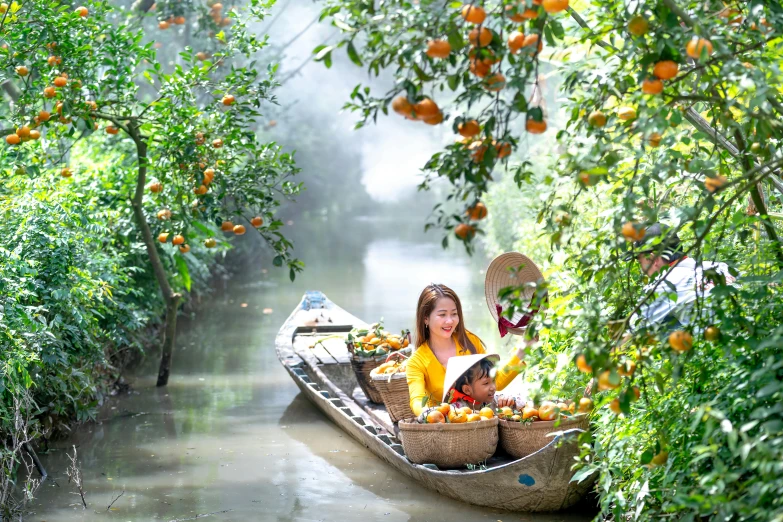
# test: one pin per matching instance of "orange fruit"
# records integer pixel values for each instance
(111, 129)
(473, 14)
(681, 341)
(163, 25)
(209, 176)
(438, 49)
(666, 69)
(496, 82)
(34, 134)
(515, 41)
(555, 6)
(714, 183)
(581, 364)
(597, 119)
(210, 243)
(457, 417)
(487, 413)
(477, 212)
(626, 368)
(443, 408)
(201, 55)
(184, 249)
(239, 230)
(503, 149)
(23, 131)
(604, 382)
(426, 108)
(155, 187)
(474, 417)
(480, 37)
(584, 178)
(696, 45)
(401, 105)
(479, 149)
(626, 113)
(257, 221)
(178, 240)
(535, 126)
(467, 410)
(435, 417)
(528, 412)
(562, 407)
(60, 82)
(637, 394)
(516, 417)
(217, 7)
(633, 231)
(585, 405)
(49, 92)
(547, 411)
(227, 226)
(505, 412)
(58, 108)
(464, 231)
(163, 237)
(66, 172)
(22, 70)
(164, 213)
(228, 99)
(82, 11)
(638, 26)
(199, 138)
(54, 60)
(531, 41)
(652, 86)
(469, 128)
(480, 68)
(615, 406)
(217, 143)
(43, 116)
(654, 139)
(200, 190)
(712, 333)
(433, 120)
(179, 20)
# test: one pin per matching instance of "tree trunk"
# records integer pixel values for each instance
(170, 297)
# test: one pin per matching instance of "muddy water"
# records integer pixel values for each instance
(231, 435)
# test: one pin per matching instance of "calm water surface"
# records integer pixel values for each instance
(231, 435)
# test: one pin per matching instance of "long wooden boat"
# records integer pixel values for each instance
(322, 371)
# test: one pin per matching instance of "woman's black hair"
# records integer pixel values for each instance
(481, 369)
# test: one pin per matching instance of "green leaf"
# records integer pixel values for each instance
(342, 25)
(421, 74)
(353, 55)
(206, 231)
(184, 272)
(321, 51)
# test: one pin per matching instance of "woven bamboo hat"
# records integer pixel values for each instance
(510, 269)
(458, 365)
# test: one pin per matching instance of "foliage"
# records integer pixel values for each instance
(698, 150)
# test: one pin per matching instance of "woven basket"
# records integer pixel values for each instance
(362, 366)
(520, 440)
(449, 445)
(394, 391)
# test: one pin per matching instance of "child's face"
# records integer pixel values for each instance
(482, 389)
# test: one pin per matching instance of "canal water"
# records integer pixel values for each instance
(230, 435)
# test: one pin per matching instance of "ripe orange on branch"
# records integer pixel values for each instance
(681, 341)
(473, 14)
(652, 86)
(66, 172)
(257, 221)
(239, 230)
(638, 26)
(50, 92)
(111, 129)
(22, 70)
(626, 113)
(480, 37)
(554, 6)
(210, 243)
(426, 108)
(714, 183)
(178, 240)
(495, 83)
(581, 364)
(696, 45)
(469, 128)
(605, 381)
(515, 41)
(535, 126)
(633, 231)
(13, 139)
(60, 82)
(155, 187)
(228, 99)
(438, 49)
(82, 11)
(477, 212)
(597, 119)
(530, 42)
(666, 69)
(402, 106)
(464, 231)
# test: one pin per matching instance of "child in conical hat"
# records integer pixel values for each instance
(470, 381)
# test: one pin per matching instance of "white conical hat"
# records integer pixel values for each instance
(510, 269)
(458, 365)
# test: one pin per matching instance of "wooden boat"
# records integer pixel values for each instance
(322, 371)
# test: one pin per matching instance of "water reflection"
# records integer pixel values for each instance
(230, 435)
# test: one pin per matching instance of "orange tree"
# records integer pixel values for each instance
(187, 164)
(673, 115)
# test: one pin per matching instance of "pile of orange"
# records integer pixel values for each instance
(447, 413)
(375, 340)
(546, 411)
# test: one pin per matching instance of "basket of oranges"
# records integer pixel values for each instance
(391, 382)
(451, 437)
(523, 433)
(369, 348)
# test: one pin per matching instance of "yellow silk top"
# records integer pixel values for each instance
(426, 374)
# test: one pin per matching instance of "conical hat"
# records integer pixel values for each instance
(458, 365)
(500, 275)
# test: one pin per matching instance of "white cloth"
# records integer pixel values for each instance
(675, 295)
